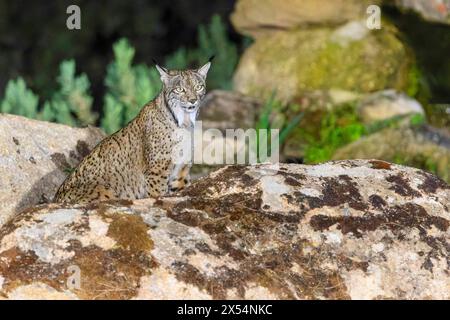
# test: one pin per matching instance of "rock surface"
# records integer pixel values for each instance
(348, 229)
(222, 110)
(432, 10)
(423, 147)
(258, 17)
(34, 158)
(228, 110)
(350, 58)
(387, 104)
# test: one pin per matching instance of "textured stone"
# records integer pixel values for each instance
(222, 110)
(431, 10)
(387, 104)
(359, 229)
(34, 159)
(350, 58)
(228, 110)
(423, 147)
(258, 17)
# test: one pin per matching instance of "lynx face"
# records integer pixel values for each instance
(183, 91)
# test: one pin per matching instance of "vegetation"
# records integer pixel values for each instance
(71, 104)
(342, 126)
(337, 128)
(272, 117)
(20, 100)
(212, 41)
(128, 86)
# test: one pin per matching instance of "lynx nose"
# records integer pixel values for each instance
(193, 100)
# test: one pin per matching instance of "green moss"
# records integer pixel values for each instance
(337, 129)
(438, 115)
(317, 59)
(414, 76)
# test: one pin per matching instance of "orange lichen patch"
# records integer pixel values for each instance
(130, 232)
(104, 274)
(378, 164)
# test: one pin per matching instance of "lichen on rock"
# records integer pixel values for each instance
(298, 60)
(359, 229)
(35, 157)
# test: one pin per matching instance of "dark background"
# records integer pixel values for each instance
(34, 38)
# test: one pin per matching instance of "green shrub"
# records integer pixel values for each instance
(337, 129)
(212, 40)
(342, 126)
(19, 100)
(128, 88)
(272, 117)
(71, 104)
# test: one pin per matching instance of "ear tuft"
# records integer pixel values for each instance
(163, 72)
(203, 71)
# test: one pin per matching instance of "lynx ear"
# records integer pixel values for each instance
(203, 71)
(163, 72)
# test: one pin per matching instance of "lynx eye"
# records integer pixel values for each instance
(179, 90)
(199, 87)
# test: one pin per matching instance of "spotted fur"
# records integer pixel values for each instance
(136, 161)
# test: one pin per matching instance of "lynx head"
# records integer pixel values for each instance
(183, 91)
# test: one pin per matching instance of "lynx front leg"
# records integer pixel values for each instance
(157, 178)
(87, 193)
(157, 186)
(179, 178)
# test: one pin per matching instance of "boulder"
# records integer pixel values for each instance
(258, 17)
(423, 147)
(350, 58)
(222, 110)
(34, 159)
(434, 11)
(387, 104)
(354, 229)
(228, 110)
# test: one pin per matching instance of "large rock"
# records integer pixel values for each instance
(351, 58)
(424, 147)
(257, 17)
(350, 229)
(34, 159)
(387, 104)
(228, 110)
(222, 110)
(435, 11)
